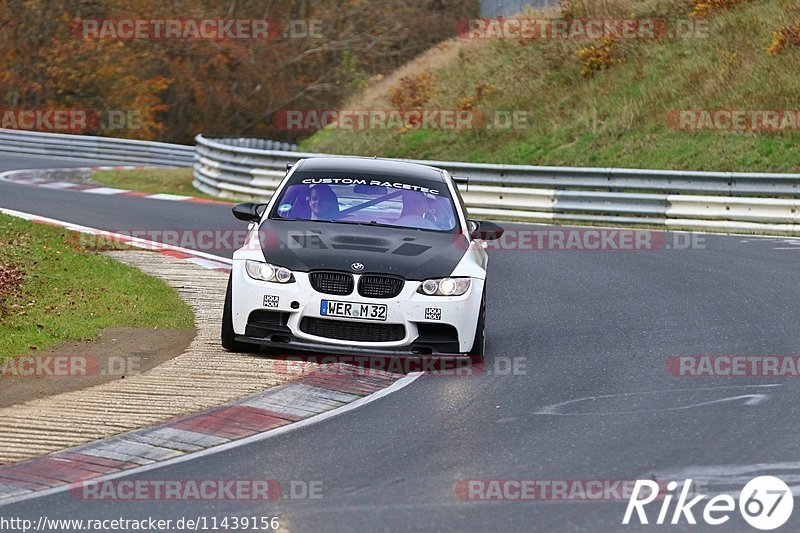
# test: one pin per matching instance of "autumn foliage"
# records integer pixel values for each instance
(704, 8)
(599, 56)
(782, 39)
(413, 92)
(181, 87)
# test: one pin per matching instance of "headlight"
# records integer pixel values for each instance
(444, 286)
(267, 272)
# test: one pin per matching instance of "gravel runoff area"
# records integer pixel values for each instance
(204, 376)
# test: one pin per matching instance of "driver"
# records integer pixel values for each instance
(415, 209)
(323, 203)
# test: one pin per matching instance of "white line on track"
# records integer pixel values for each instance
(107, 191)
(162, 196)
(132, 241)
(58, 185)
(394, 387)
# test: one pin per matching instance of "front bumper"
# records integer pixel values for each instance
(431, 324)
(293, 344)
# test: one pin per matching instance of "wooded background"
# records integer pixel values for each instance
(179, 87)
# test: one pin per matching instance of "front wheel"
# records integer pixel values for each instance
(229, 341)
(476, 354)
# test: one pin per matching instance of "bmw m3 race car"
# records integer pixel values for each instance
(354, 255)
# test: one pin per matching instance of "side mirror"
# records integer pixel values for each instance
(248, 212)
(485, 231)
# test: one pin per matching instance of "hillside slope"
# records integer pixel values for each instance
(623, 114)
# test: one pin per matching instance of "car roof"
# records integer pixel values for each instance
(368, 165)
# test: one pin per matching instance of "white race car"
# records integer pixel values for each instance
(354, 255)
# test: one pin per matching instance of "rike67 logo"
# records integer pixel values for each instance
(765, 503)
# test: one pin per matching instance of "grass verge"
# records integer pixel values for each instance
(621, 116)
(53, 290)
(153, 180)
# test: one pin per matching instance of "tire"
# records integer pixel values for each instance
(476, 354)
(229, 341)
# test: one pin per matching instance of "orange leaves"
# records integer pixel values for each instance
(783, 38)
(704, 8)
(176, 87)
(482, 90)
(595, 58)
(106, 79)
(413, 92)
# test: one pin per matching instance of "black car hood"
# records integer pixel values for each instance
(413, 254)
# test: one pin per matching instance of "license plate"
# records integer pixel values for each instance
(352, 310)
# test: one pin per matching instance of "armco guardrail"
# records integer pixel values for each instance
(121, 151)
(715, 201)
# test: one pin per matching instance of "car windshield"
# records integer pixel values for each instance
(375, 200)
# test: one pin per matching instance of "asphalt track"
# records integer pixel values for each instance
(593, 325)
